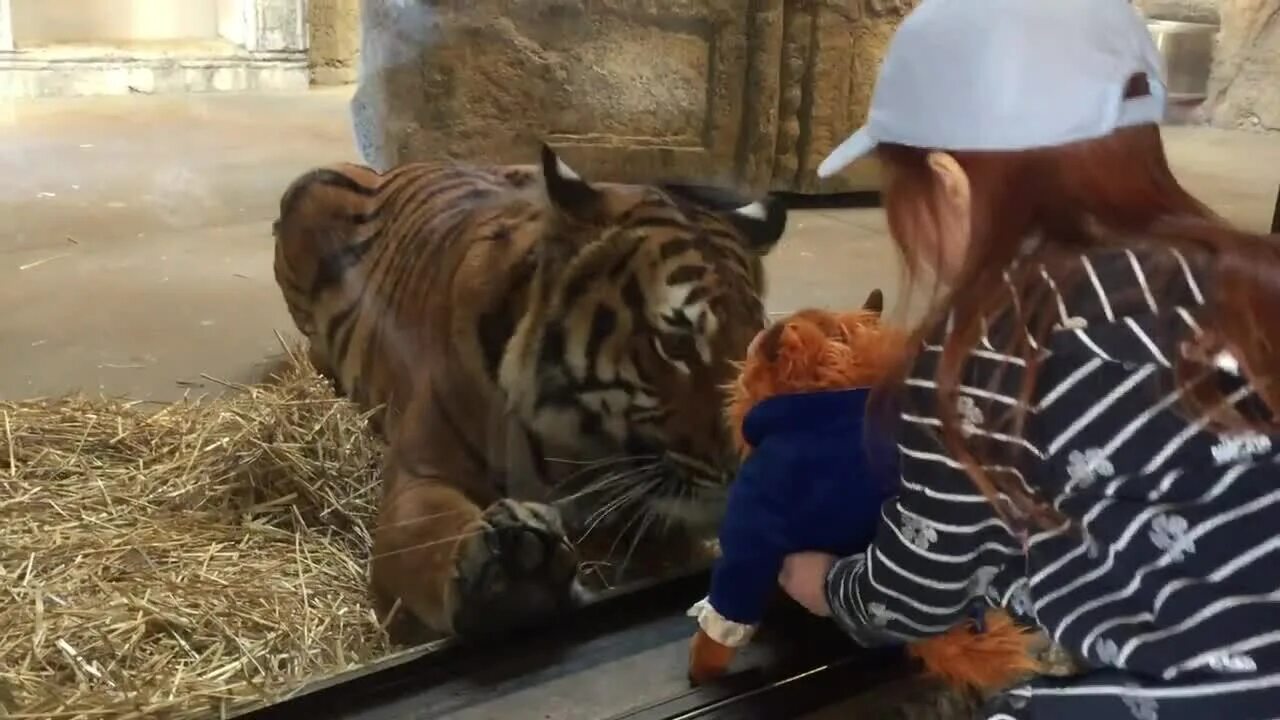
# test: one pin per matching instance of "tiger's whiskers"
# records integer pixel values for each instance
(635, 490)
(591, 464)
(630, 484)
(609, 481)
(604, 465)
(422, 518)
(420, 546)
(648, 516)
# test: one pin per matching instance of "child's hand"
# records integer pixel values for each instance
(804, 578)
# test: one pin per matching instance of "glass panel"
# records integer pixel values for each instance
(38, 23)
(259, 428)
(190, 510)
(189, 518)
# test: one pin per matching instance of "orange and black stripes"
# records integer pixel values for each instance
(604, 316)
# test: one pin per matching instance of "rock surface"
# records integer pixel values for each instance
(720, 91)
(334, 27)
(1244, 89)
(1244, 85)
(1204, 11)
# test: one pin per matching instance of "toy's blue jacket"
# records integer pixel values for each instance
(814, 480)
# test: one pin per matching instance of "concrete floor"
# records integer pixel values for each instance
(135, 252)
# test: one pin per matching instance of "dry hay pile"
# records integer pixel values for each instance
(184, 561)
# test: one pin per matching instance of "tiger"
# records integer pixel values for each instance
(492, 318)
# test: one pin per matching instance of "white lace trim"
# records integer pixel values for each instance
(718, 627)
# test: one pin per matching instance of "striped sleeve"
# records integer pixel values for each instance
(940, 544)
(1174, 519)
(1160, 581)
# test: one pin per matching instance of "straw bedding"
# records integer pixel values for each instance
(183, 560)
(196, 559)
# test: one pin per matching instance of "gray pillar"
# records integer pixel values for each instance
(6, 25)
(275, 25)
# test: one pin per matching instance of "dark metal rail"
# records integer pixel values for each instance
(621, 658)
(754, 696)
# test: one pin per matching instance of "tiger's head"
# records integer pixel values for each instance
(644, 301)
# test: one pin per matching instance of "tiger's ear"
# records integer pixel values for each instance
(761, 223)
(567, 191)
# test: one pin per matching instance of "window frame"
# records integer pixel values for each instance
(812, 664)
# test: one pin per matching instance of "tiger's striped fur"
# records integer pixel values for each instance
(504, 316)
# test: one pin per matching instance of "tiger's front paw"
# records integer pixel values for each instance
(517, 569)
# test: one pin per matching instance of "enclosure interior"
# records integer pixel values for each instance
(41, 23)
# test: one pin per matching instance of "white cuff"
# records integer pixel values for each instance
(718, 627)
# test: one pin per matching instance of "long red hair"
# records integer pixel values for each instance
(1110, 192)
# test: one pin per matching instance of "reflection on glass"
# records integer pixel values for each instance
(197, 530)
(546, 358)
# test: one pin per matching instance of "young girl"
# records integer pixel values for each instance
(1089, 423)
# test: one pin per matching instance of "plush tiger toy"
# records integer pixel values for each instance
(506, 315)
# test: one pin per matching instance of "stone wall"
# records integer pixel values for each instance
(1244, 87)
(335, 41)
(1204, 11)
(242, 45)
(750, 95)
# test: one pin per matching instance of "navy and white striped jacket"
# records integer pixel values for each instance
(1165, 581)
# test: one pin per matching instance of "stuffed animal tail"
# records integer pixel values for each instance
(987, 659)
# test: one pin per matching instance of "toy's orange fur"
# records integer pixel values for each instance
(813, 350)
(818, 350)
(989, 662)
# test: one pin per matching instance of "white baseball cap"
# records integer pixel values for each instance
(1008, 75)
